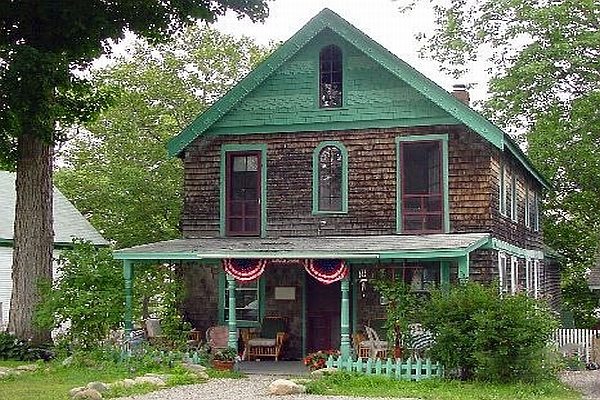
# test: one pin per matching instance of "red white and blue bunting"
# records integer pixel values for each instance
(326, 271)
(244, 270)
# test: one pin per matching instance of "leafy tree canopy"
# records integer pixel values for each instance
(544, 57)
(117, 170)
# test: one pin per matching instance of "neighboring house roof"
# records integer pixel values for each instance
(68, 222)
(348, 247)
(327, 19)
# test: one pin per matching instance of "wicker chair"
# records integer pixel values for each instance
(270, 340)
(376, 348)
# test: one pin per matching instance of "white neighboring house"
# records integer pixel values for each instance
(68, 224)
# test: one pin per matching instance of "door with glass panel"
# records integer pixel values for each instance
(243, 193)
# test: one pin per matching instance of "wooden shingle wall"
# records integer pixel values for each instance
(372, 182)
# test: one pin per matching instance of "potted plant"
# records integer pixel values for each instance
(318, 359)
(224, 359)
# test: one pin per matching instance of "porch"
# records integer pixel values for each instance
(321, 316)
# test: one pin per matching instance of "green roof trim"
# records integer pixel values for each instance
(327, 19)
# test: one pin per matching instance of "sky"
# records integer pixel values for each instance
(379, 19)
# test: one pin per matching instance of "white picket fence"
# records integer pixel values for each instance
(576, 342)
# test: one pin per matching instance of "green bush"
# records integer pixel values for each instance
(13, 348)
(486, 336)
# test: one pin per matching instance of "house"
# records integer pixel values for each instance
(334, 163)
(68, 225)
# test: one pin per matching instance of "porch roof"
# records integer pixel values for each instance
(432, 246)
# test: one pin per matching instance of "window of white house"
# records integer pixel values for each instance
(514, 274)
(247, 297)
(502, 191)
(513, 198)
(503, 272)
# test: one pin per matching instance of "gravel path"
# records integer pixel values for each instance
(586, 382)
(254, 387)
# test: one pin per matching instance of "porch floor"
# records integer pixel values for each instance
(290, 368)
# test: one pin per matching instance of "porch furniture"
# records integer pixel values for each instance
(154, 332)
(374, 347)
(217, 337)
(270, 339)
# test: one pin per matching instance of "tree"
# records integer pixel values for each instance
(545, 87)
(118, 173)
(42, 45)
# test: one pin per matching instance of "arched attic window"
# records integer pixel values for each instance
(330, 178)
(330, 77)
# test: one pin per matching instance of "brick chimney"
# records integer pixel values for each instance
(461, 93)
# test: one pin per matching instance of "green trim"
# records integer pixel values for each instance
(128, 274)
(354, 287)
(262, 147)
(500, 245)
(445, 272)
(327, 19)
(463, 268)
(232, 339)
(345, 318)
(315, 177)
(443, 137)
(155, 256)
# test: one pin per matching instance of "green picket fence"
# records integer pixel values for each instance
(414, 370)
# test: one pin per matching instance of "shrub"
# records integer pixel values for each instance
(486, 336)
(13, 348)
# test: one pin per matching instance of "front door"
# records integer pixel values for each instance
(243, 193)
(323, 304)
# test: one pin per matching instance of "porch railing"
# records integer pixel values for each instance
(414, 370)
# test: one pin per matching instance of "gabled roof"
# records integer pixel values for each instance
(327, 19)
(68, 222)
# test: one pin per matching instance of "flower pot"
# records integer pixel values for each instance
(223, 365)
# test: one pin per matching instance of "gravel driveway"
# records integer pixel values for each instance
(586, 382)
(253, 387)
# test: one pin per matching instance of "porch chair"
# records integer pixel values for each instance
(217, 337)
(270, 340)
(154, 333)
(374, 347)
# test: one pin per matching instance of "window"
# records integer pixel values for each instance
(527, 211)
(330, 178)
(502, 190)
(503, 272)
(514, 275)
(513, 198)
(536, 212)
(532, 277)
(422, 186)
(420, 275)
(247, 297)
(330, 77)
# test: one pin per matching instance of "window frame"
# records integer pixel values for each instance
(223, 302)
(502, 206)
(443, 139)
(527, 208)
(514, 198)
(514, 274)
(503, 272)
(342, 99)
(315, 178)
(239, 148)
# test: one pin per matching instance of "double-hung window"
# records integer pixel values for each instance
(330, 178)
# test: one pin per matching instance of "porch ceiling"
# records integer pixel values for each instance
(433, 246)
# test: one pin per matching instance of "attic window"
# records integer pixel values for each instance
(330, 77)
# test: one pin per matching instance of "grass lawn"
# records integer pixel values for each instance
(53, 381)
(362, 385)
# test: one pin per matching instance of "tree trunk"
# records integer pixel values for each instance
(33, 234)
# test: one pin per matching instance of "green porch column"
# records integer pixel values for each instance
(445, 272)
(233, 339)
(345, 319)
(463, 268)
(128, 275)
